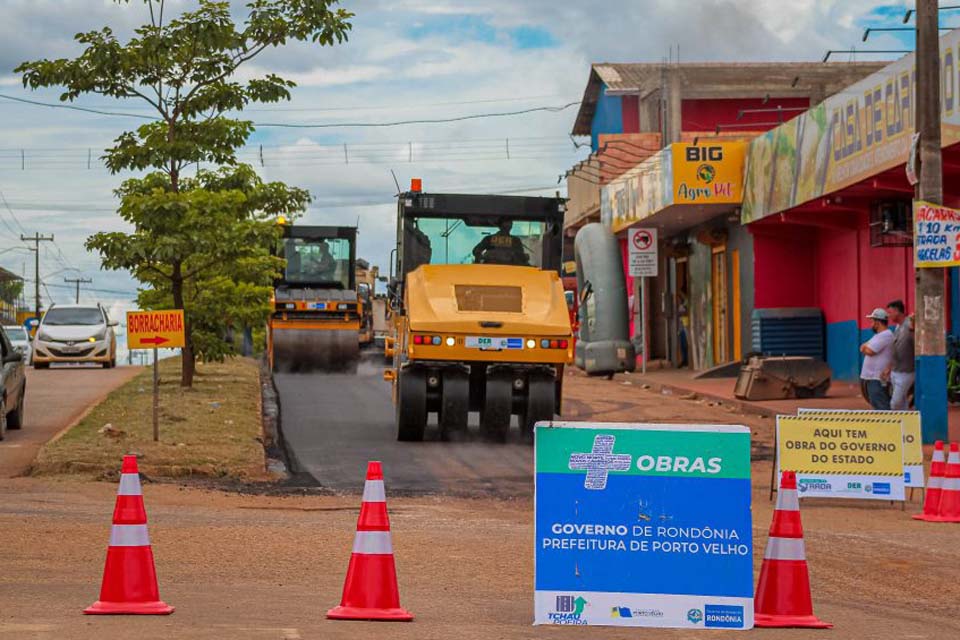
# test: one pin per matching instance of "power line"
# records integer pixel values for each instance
(288, 125)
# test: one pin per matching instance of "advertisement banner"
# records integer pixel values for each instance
(708, 173)
(643, 525)
(912, 442)
(864, 130)
(936, 235)
(638, 193)
(842, 457)
(681, 173)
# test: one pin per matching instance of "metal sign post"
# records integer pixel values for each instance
(643, 260)
(151, 330)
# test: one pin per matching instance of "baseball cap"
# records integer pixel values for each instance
(878, 314)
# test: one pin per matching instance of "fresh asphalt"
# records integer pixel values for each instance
(333, 423)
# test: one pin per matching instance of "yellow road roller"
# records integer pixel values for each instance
(367, 277)
(480, 320)
(315, 322)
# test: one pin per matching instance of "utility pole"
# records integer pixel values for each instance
(78, 282)
(931, 329)
(36, 239)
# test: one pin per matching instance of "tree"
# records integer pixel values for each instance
(186, 230)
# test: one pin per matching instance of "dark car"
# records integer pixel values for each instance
(13, 383)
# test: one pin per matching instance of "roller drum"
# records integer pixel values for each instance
(301, 350)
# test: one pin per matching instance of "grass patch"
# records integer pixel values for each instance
(212, 430)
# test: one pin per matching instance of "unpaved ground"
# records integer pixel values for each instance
(262, 567)
(242, 567)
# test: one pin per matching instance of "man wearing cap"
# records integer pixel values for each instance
(877, 356)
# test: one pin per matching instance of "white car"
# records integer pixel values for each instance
(20, 339)
(75, 333)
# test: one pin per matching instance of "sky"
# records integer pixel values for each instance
(405, 60)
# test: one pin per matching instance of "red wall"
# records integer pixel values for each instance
(706, 114)
(784, 262)
(837, 282)
(630, 114)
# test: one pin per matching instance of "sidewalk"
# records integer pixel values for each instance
(842, 395)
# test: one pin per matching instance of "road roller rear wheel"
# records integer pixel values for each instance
(454, 404)
(411, 405)
(497, 403)
(541, 402)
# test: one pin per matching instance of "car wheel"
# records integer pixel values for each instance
(3, 420)
(15, 419)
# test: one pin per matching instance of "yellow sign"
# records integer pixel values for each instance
(708, 173)
(843, 456)
(912, 439)
(155, 329)
(856, 133)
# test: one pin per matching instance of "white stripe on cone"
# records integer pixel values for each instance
(129, 535)
(935, 482)
(788, 500)
(129, 485)
(784, 549)
(953, 458)
(373, 491)
(373, 542)
(938, 456)
(951, 484)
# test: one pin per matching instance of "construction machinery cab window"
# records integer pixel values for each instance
(318, 261)
(476, 241)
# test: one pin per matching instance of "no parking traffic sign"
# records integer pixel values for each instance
(642, 246)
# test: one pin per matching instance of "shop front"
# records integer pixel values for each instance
(697, 310)
(827, 200)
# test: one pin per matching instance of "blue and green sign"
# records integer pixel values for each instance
(643, 525)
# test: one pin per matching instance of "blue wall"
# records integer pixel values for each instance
(608, 117)
(843, 344)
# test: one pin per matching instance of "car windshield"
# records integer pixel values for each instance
(16, 333)
(73, 316)
(317, 261)
(459, 241)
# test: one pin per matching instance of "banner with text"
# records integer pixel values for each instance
(842, 457)
(852, 135)
(936, 235)
(643, 525)
(912, 441)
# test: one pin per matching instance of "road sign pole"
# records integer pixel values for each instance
(643, 324)
(156, 398)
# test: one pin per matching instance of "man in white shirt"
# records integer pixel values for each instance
(878, 355)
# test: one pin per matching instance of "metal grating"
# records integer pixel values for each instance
(789, 332)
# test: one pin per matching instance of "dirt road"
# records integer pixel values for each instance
(55, 398)
(252, 568)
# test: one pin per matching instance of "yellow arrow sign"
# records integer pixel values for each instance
(155, 329)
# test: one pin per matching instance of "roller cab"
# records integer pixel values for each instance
(480, 316)
(316, 317)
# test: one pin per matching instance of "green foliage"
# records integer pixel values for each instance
(199, 243)
(10, 290)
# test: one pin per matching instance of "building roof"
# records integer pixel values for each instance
(719, 80)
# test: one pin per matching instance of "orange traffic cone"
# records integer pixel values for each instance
(931, 497)
(370, 590)
(949, 510)
(783, 591)
(129, 577)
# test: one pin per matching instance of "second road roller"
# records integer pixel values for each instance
(316, 316)
(480, 320)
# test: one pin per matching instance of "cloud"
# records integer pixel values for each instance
(405, 59)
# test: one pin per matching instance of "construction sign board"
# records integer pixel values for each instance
(155, 329)
(643, 525)
(842, 457)
(642, 252)
(912, 442)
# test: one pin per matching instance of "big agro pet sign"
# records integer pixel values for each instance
(643, 525)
